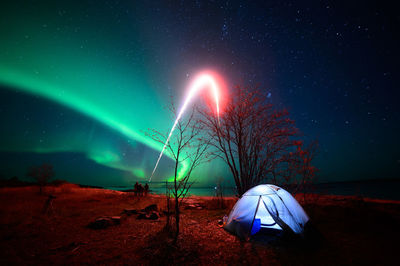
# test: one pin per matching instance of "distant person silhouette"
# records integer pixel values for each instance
(136, 189)
(146, 189)
(140, 190)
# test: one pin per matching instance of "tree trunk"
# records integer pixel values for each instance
(167, 194)
(176, 218)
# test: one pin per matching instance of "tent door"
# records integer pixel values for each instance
(266, 220)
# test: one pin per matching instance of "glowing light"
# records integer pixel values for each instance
(204, 80)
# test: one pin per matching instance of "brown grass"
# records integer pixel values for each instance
(356, 232)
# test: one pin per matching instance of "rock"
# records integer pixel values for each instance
(116, 219)
(100, 223)
(129, 211)
(154, 216)
(195, 206)
(141, 215)
(149, 216)
(104, 222)
(150, 208)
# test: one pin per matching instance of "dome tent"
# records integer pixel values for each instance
(266, 207)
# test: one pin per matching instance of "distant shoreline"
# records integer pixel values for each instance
(384, 189)
(376, 189)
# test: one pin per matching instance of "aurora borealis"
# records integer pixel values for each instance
(81, 81)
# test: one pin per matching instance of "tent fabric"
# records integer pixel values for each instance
(266, 206)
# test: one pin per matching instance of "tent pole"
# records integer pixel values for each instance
(254, 217)
(290, 213)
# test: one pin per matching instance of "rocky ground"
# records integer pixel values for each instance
(354, 231)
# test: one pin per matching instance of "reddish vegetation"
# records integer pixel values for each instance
(356, 231)
(257, 142)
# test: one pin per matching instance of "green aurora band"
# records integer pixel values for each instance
(76, 102)
(55, 51)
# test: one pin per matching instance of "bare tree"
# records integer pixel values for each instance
(186, 146)
(42, 174)
(301, 169)
(252, 138)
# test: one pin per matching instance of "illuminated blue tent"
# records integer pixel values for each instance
(266, 207)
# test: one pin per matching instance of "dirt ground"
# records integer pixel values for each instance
(353, 230)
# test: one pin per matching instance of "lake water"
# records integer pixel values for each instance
(197, 191)
(371, 189)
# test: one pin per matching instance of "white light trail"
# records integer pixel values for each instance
(201, 82)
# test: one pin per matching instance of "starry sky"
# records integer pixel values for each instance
(81, 81)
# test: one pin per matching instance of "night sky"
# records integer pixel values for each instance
(81, 81)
